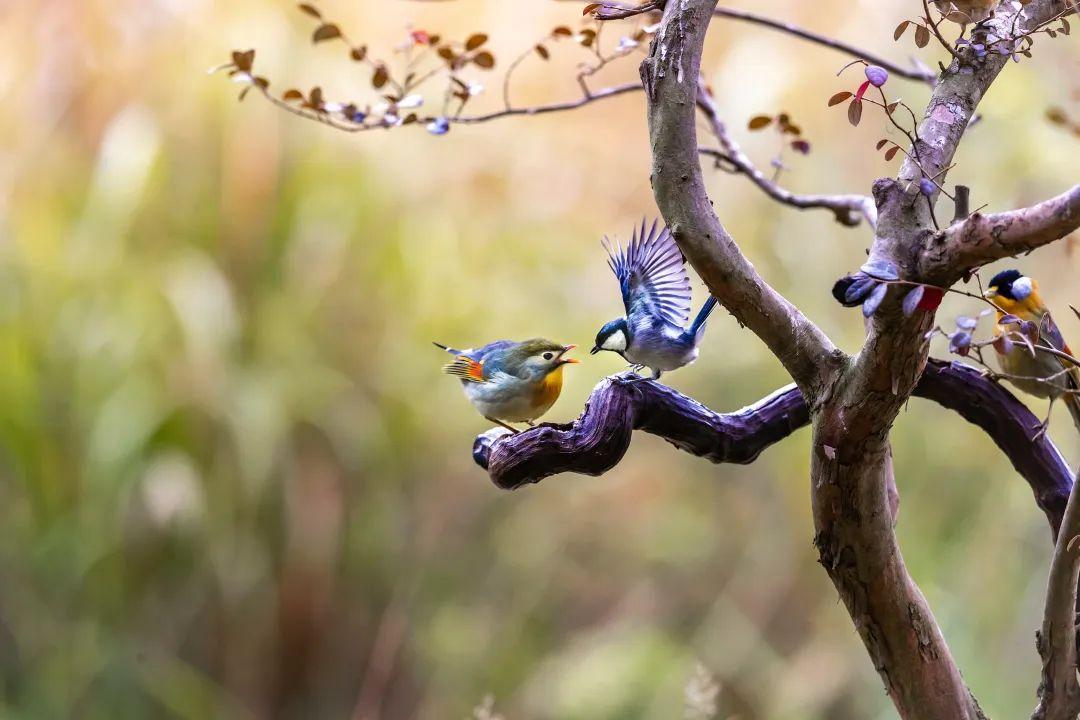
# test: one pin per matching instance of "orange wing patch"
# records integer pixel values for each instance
(466, 368)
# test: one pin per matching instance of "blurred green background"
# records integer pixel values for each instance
(235, 484)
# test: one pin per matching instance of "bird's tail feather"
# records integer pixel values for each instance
(447, 348)
(466, 369)
(702, 316)
(1073, 403)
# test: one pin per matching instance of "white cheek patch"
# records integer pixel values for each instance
(1021, 288)
(615, 342)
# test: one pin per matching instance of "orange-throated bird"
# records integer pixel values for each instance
(511, 381)
(1043, 374)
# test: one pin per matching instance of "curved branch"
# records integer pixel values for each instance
(982, 239)
(670, 75)
(848, 209)
(1059, 691)
(597, 440)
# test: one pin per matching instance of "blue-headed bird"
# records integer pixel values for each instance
(656, 294)
(1043, 374)
(511, 381)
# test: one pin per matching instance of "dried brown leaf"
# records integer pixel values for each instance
(475, 40)
(839, 98)
(759, 122)
(326, 31)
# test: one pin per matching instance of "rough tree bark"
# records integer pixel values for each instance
(850, 402)
(1059, 691)
(596, 441)
(853, 401)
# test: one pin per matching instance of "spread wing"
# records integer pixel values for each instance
(652, 275)
(1051, 335)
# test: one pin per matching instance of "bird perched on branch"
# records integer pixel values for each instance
(1043, 374)
(965, 11)
(511, 381)
(656, 293)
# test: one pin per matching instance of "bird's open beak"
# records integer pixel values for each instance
(990, 292)
(596, 349)
(566, 360)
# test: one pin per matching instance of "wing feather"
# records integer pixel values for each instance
(1051, 335)
(652, 274)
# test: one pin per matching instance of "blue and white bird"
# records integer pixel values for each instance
(656, 293)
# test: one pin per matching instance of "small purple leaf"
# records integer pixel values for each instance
(438, 126)
(960, 343)
(881, 269)
(912, 299)
(876, 75)
(858, 290)
(873, 302)
(800, 146)
(966, 323)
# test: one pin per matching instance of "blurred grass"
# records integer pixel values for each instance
(233, 482)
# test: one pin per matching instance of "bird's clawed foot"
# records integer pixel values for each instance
(639, 378)
(1044, 425)
(502, 424)
(1041, 432)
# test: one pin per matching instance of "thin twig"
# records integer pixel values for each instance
(345, 126)
(847, 208)
(918, 74)
(838, 45)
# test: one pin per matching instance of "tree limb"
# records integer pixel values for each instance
(353, 127)
(670, 75)
(895, 350)
(596, 441)
(856, 542)
(1059, 691)
(848, 209)
(619, 10)
(982, 239)
(920, 74)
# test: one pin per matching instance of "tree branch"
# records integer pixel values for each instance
(857, 545)
(353, 127)
(982, 239)
(670, 75)
(1059, 691)
(596, 441)
(895, 350)
(848, 209)
(619, 10)
(920, 74)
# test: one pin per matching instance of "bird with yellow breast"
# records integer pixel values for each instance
(510, 381)
(1044, 373)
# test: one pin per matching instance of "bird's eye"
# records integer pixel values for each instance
(548, 355)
